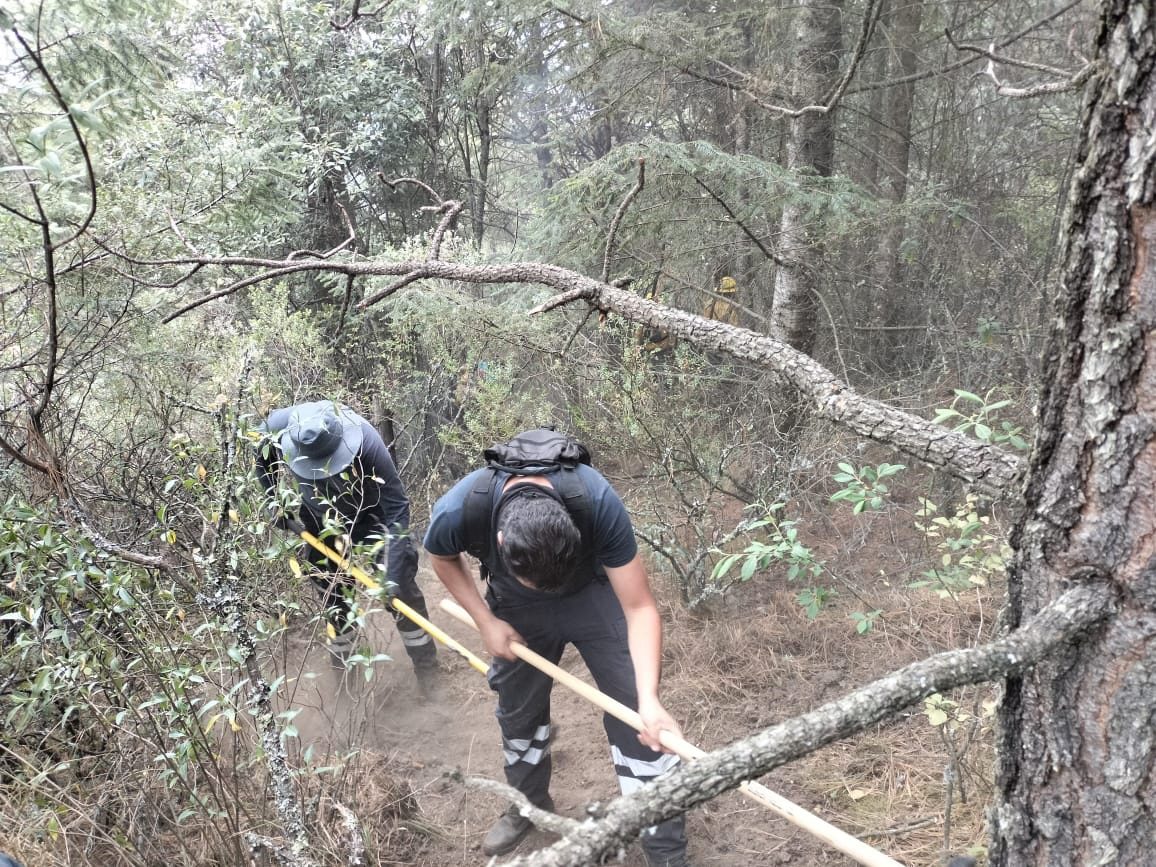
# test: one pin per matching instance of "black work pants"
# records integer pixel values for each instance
(338, 590)
(591, 620)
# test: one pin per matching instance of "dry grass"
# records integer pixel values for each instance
(759, 660)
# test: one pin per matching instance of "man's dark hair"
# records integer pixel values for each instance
(541, 544)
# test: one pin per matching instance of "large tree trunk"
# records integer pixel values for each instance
(900, 306)
(1077, 744)
(810, 150)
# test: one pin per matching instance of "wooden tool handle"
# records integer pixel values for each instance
(757, 792)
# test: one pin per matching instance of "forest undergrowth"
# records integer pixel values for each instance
(915, 787)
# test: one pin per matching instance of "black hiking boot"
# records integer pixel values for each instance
(429, 681)
(506, 833)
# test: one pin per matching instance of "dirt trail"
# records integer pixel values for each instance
(457, 731)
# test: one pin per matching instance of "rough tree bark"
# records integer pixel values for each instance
(983, 467)
(1063, 623)
(1076, 746)
(896, 305)
(810, 149)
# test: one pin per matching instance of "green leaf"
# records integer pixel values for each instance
(936, 716)
(982, 431)
(50, 164)
(967, 395)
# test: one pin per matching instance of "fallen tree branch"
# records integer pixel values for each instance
(1060, 623)
(984, 467)
(543, 819)
(285, 857)
(354, 836)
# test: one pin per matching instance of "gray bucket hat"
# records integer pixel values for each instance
(321, 440)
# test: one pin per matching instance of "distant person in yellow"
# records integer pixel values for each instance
(720, 307)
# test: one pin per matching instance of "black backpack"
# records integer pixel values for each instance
(538, 452)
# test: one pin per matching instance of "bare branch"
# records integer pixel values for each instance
(306, 265)
(774, 257)
(82, 520)
(990, 54)
(451, 209)
(559, 301)
(62, 104)
(1063, 622)
(355, 15)
(870, 18)
(543, 819)
(313, 254)
(172, 284)
(355, 837)
(1073, 82)
(967, 61)
(612, 233)
(176, 229)
(397, 182)
(49, 252)
(16, 213)
(574, 334)
(390, 289)
(346, 299)
(21, 457)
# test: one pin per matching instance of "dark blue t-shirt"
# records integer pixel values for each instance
(613, 534)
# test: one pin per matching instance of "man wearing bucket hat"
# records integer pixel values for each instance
(345, 477)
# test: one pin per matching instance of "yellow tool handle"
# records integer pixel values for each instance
(362, 578)
(789, 810)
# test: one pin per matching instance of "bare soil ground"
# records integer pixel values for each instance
(735, 671)
(396, 762)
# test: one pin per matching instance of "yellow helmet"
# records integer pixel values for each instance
(727, 285)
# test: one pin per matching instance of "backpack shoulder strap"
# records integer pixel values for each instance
(478, 515)
(577, 501)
